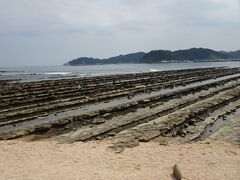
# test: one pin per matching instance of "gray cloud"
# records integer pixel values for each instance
(49, 32)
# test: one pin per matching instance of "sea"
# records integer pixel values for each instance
(38, 73)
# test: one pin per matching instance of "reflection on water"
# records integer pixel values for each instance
(106, 104)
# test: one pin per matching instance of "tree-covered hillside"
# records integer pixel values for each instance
(158, 56)
(193, 54)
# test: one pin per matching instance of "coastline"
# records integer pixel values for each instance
(162, 62)
(124, 126)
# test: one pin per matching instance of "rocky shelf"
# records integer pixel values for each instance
(174, 106)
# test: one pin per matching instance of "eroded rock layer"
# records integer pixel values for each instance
(169, 106)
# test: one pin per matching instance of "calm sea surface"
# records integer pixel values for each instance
(56, 72)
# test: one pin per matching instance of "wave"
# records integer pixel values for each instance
(9, 73)
(55, 73)
(154, 70)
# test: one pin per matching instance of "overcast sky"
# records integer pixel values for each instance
(51, 32)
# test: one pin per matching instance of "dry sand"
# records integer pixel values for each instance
(23, 160)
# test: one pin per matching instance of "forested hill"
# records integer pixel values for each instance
(128, 58)
(193, 54)
(158, 56)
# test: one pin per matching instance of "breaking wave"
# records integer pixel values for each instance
(154, 70)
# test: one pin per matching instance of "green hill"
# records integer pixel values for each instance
(158, 56)
(128, 58)
(194, 54)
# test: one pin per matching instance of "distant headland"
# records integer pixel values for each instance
(161, 56)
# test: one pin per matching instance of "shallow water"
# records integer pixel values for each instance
(220, 122)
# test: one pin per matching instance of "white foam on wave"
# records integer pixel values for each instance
(57, 73)
(154, 70)
(33, 73)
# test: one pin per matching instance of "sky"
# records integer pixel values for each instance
(52, 32)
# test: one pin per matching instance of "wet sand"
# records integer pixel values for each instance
(23, 160)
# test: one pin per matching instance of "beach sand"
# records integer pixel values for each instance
(24, 160)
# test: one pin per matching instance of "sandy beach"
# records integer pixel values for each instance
(22, 160)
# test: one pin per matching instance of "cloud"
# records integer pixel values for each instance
(72, 15)
(57, 30)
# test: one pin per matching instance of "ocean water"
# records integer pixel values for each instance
(37, 73)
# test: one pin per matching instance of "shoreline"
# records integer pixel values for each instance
(31, 74)
(163, 62)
